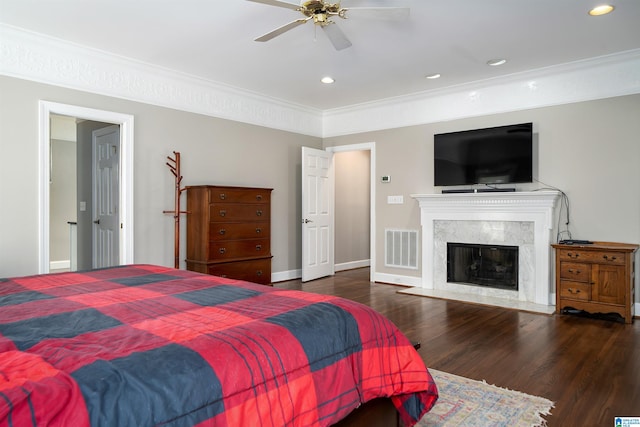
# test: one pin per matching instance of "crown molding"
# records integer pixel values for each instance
(33, 56)
(596, 78)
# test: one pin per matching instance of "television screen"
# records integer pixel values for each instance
(498, 155)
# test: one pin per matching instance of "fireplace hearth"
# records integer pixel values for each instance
(494, 266)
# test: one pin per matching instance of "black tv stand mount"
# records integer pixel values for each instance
(479, 190)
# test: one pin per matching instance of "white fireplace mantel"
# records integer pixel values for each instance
(535, 207)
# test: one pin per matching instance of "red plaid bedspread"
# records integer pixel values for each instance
(145, 345)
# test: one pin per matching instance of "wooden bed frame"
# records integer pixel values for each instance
(376, 413)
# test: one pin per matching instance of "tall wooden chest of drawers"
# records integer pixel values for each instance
(229, 232)
(597, 278)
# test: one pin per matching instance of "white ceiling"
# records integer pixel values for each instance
(213, 39)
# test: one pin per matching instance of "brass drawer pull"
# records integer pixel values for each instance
(571, 270)
(258, 247)
(572, 255)
(573, 291)
(259, 212)
(223, 212)
(222, 250)
(222, 231)
(606, 257)
(223, 196)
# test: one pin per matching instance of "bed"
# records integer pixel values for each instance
(145, 345)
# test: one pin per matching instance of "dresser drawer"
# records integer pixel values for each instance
(221, 212)
(239, 195)
(229, 249)
(257, 271)
(575, 271)
(232, 231)
(590, 256)
(572, 255)
(575, 290)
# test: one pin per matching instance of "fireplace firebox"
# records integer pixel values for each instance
(491, 266)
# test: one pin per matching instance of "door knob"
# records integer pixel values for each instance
(306, 221)
(97, 221)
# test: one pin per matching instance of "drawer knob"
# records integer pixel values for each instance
(258, 247)
(259, 212)
(223, 250)
(259, 273)
(258, 230)
(259, 197)
(222, 231)
(572, 255)
(223, 196)
(223, 212)
(608, 258)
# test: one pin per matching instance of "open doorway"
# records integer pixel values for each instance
(355, 174)
(90, 120)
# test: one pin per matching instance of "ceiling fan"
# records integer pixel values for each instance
(321, 13)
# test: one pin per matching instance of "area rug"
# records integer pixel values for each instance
(466, 402)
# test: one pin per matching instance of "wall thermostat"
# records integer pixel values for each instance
(386, 178)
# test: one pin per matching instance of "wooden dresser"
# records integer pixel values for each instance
(229, 232)
(597, 278)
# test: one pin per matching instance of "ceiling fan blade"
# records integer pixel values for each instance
(395, 13)
(280, 30)
(278, 3)
(337, 37)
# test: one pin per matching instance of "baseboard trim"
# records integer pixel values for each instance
(352, 265)
(59, 265)
(395, 279)
(283, 276)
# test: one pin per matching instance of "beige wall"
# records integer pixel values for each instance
(62, 188)
(352, 208)
(590, 150)
(214, 151)
(63, 197)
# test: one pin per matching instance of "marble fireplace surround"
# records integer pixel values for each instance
(524, 219)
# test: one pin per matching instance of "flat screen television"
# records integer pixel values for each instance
(497, 155)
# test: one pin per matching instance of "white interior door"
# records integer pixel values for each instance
(106, 196)
(317, 214)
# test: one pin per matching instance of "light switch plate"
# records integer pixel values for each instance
(395, 200)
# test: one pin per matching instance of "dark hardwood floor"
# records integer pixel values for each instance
(589, 367)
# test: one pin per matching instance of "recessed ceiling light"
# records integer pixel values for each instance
(496, 62)
(433, 76)
(601, 10)
(327, 80)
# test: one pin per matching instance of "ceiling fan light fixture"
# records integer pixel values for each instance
(321, 12)
(601, 10)
(327, 80)
(496, 62)
(322, 19)
(433, 76)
